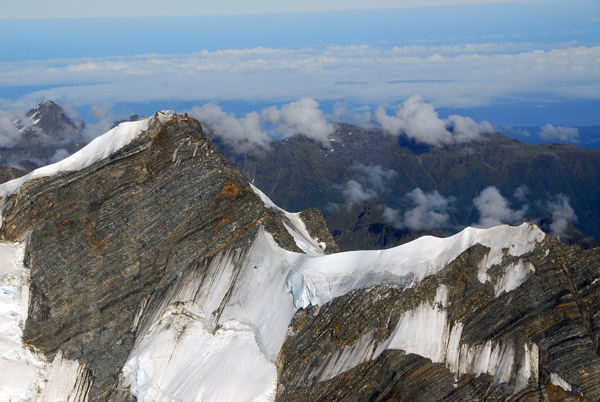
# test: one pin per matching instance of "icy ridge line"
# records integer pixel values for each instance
(317, 280)
(99, 148)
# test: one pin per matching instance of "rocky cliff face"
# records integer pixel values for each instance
(157, 272)
(460, 334)
(101, 240)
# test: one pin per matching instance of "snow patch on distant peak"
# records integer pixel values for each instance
(101, 147)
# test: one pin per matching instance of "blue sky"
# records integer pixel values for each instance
(514, 62)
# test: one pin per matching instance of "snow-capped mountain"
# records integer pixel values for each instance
(145, 267)
(45, 134)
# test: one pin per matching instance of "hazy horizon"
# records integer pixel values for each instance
(510, 63)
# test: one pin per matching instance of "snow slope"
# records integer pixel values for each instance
(237, 324)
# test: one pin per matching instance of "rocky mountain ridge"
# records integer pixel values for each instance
(364, 180)
(157, 272)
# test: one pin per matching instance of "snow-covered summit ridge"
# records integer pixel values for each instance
(316, 281)
(101, 147)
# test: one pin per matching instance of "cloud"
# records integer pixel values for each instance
(340, 111)
(376, 175)
(301, 117)
(461, 76)
(466, 129)
(562, 214)
(559, 133)
(59, 155)
(243, 134)
(9, 132)
(255, 130)
(419, 121)
(354, 192)
(430, 211)
(521, 193)
(369, 182)
(494, 209)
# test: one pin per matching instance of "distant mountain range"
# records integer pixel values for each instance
(378, 191)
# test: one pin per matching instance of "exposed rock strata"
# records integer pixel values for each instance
(164, 233)
(101, 239)
(552, 317)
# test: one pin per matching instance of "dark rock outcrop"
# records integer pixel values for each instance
(8, 173)
(557, 309)
(317, 227)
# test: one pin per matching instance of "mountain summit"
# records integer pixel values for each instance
(145, 267)
(45, 135)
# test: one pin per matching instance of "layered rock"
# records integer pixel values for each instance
(156, 272)
(526, 328)
(103, 240)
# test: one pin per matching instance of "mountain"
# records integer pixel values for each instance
(145, 267)
(46, 135)
(365, 170)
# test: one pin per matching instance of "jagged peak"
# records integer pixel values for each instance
(101, 147)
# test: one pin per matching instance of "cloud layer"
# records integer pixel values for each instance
(457, 75)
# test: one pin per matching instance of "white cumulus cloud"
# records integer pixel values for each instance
(9, 132)
(559, 133)
(301, 117)
(244, 134)
(376, 175)
(430, 211)
(419, 121)
(494, 209)
(562, 213)
(354, 192)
